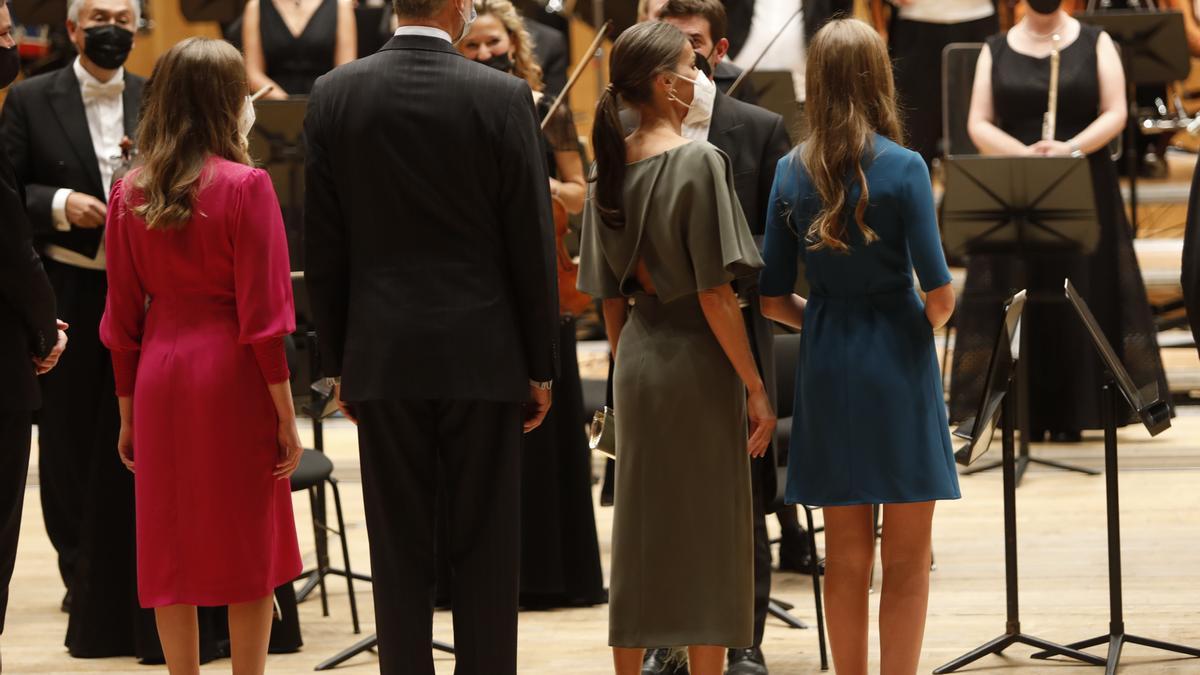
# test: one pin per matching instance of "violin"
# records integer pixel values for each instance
(571, 301)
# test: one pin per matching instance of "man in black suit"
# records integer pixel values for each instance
(550, 50)
(430, 268)
(30, 341)
(64, 132)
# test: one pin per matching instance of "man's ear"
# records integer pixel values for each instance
(719, 51)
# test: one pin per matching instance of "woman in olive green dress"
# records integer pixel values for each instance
(663, 237)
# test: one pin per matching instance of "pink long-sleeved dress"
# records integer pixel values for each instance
(194, 320)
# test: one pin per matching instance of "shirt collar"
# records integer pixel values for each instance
(84, 76)
(425, 31)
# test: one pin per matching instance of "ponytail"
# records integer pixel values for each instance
(608, 142)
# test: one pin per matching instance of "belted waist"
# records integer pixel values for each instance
(871, 295)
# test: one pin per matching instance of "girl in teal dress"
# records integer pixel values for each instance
(869, 424)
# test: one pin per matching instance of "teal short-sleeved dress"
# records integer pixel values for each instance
(869, 422)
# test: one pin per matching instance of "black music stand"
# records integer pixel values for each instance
(1153, 51)
(1019, 207)
(997, 399)
(1155, 414)
(369, 645)
(277, 144)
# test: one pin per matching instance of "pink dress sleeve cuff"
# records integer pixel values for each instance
(272, 360)
(125, 365)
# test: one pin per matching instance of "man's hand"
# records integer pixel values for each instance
(536, 409)
(85, 211)
(342, 405)
(43, 366)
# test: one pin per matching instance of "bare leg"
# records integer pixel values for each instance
(180, 637)
(628, 661)
(849, 553)
(706, 660)
(905, 597)
(249, 633)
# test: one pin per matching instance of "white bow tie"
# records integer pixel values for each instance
(100, 91)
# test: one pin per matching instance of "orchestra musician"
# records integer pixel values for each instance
(560, 553)
(1008, 106)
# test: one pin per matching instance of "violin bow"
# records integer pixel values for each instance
(579, 67)
(737, 83)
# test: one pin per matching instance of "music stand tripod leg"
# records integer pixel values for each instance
(369, 644)
(778, 610)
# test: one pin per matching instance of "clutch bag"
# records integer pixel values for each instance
(602, 435)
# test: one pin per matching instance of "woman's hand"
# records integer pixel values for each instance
(762, 422)
(1051, 149)
(290, 449)
(125, 445)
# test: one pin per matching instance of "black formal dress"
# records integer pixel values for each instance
(560, 553)
(27, 329)
(1065, 375)
(86, 493)
(430, 270)
(916, 48)
(294, 62)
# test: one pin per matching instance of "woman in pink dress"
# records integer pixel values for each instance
(199, 300)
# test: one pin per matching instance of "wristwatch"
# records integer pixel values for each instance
(1075, 151)
(544, 386)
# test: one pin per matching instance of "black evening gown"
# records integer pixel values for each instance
(560, 553)
(295, 63)
(1065, 373)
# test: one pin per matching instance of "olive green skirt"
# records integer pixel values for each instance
(683, 543)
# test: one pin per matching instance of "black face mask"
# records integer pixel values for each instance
(502, 62)
(1044, 6)
(10, 66)
(108, 45)
(704, 65)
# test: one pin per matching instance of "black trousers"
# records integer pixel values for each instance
(14, 464)
(472, 448)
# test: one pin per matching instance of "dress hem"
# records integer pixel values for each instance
(864, 502)
(202, 600)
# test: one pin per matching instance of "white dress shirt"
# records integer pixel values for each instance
(427, 31)
(947, 11)
(787, 53)
(105, 110)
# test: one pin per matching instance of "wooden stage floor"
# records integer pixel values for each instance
(1063, 578)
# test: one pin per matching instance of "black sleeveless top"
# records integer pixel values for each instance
(1021, 86)
(294, 63)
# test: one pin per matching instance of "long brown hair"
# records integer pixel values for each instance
(850, 97)
(525, 66)
(190, 112)
(641, 53)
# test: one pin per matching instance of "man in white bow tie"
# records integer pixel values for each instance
(64, 133)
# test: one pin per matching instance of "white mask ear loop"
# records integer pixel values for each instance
(671, 93)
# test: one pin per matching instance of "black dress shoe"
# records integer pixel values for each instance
(746, 662)
(663, 662)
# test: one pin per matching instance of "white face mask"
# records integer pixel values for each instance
(246, 119)
(468, 19)
(704, 93)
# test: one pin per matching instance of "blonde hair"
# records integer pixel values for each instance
(850, 97)
(525, 66)
(190, 112)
